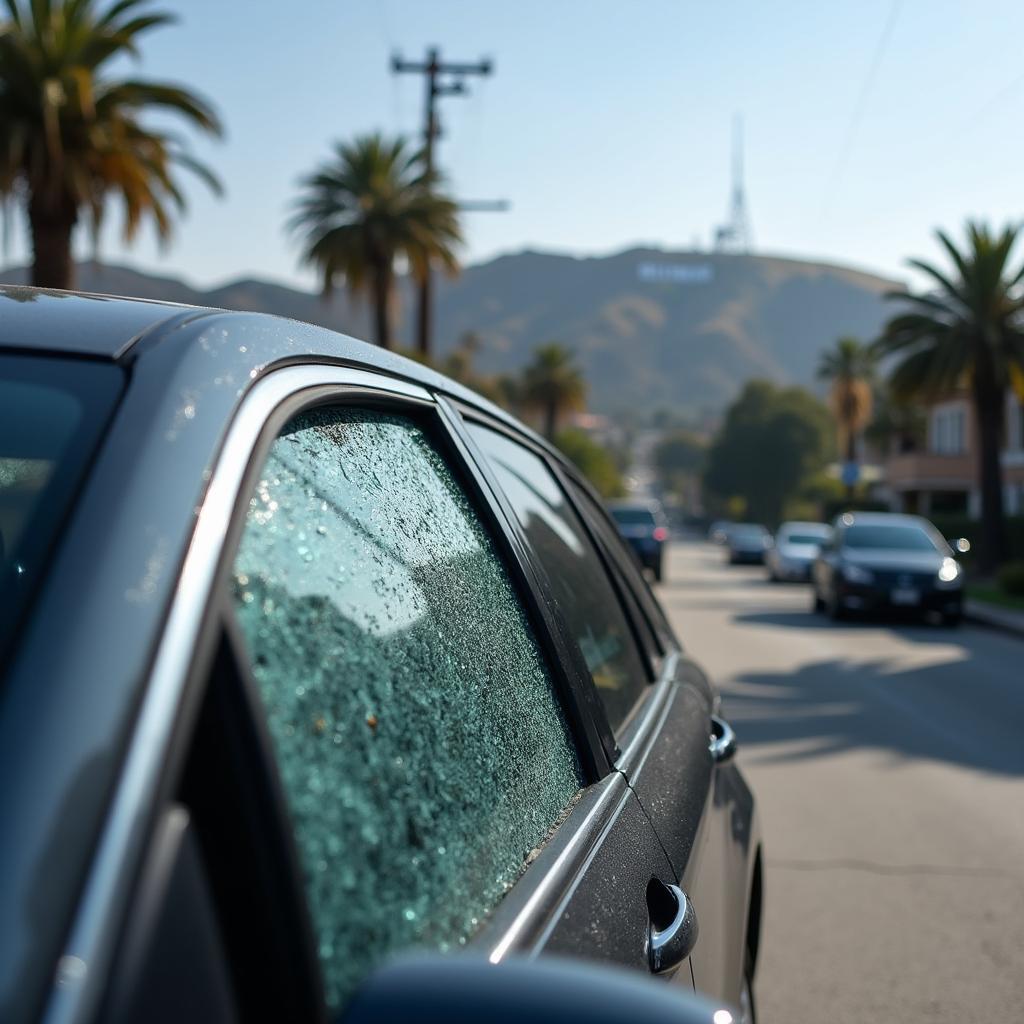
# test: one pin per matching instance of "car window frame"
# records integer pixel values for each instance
(653, 645)
(160, 726)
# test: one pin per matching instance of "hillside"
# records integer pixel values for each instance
(651, 328)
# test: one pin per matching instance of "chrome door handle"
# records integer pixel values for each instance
(723, 740)
(672, 932)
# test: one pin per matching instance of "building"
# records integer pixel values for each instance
(943, 478)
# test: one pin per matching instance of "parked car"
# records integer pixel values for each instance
(746, 542)
(718, 531)
(794, 549)
(645, 529)
(311, 656)
(884, 562)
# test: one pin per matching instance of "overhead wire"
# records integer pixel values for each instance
(853, 128)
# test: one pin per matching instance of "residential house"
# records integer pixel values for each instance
(943, 478)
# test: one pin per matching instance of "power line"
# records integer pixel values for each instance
(862, 100)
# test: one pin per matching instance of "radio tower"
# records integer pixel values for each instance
(736, 235)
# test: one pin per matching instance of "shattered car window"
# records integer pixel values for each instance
(418, 738)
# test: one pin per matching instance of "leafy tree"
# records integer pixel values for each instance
(368, 206)
(71, 137)
(678, 457)
(595, 461)
(553, 384)
(967, 332)
(771, 442)
(849, 368)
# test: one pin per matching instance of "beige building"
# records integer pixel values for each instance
(943, 478)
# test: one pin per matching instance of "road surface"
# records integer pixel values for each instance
(888, 763)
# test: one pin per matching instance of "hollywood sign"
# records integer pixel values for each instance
(676, 273)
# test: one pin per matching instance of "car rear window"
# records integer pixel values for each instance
(894, 538)
(805, 538)
(52, 413)
(633, 516)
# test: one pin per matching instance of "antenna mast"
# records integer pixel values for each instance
(736, 235)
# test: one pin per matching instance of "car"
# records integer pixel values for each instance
(311, 657)
(645, 529)
(885, 563)
(746, 543)
(719, 530)
(795, 546)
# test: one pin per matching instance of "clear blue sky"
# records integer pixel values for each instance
(608, 123)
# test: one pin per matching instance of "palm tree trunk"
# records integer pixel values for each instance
(988, 411)
(382, 282)
(51, 225)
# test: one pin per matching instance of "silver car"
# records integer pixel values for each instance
(796, 546)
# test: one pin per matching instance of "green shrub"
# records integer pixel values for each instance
(953, 526)
(1011, 578)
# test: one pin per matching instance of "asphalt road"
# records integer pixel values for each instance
(888, 764)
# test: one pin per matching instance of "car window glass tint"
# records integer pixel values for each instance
(418, 738)
(579, 582)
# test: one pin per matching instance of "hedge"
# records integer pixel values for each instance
(952, 526)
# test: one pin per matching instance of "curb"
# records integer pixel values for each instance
(995, 618)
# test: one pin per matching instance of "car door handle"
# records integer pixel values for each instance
(672, 932)
(723, 740)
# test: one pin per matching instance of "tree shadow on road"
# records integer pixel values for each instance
(910, 626)
(968, 713)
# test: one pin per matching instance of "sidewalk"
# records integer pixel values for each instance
(986, 614)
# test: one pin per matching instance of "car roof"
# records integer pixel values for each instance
(879, 519)
(803, 524)
(74, 323)
(111, 327)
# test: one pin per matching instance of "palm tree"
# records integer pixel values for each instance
(967, 332)
(71, 137)
(370, 205)
(849, 367)
(553, 384)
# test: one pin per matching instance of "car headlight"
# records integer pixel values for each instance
(949, 571)
(855, 574)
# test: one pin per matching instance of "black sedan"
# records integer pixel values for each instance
(886, 563)
(311, 656)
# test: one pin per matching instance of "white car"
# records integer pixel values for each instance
(795, 549)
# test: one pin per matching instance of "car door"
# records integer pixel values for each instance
(581, 590)
(677, 752)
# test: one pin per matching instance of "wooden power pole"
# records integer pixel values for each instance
(433, 68)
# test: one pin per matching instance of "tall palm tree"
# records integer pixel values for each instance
(849, 367)
(553, 384)
(370, 205)
(71, 137)
(967, 332)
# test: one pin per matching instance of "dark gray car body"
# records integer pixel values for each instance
(96, 690)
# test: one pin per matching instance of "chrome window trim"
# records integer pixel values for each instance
(649, 721)
(81, 969)
(568, 869)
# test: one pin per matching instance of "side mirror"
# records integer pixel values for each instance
(961, 545)
(468, 990)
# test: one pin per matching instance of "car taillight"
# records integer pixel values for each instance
(660, 533)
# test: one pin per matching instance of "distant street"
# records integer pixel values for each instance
(888, 763)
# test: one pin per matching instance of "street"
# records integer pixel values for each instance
(888, 765)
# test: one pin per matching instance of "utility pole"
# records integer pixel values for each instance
(433, 68)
